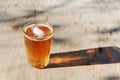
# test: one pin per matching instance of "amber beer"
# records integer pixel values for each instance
(38, 38)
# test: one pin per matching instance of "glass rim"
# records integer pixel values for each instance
(38, 22)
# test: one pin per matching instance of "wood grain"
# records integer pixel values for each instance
(79, 25)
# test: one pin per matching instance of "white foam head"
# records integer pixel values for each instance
(38, 32)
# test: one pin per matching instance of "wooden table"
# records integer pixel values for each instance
(95, 64)
(78, 25)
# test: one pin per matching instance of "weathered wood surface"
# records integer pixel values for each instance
(79, 24)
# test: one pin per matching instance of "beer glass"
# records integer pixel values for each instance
(38, 38)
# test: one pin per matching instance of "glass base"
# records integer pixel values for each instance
(38, 63)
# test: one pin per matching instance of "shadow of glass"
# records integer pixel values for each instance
(103, 55)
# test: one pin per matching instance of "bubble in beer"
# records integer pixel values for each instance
(38, 32)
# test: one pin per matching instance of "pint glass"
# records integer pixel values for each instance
(38, 39)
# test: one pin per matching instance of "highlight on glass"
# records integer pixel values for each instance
(38, 38)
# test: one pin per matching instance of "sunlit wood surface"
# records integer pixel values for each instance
(78, 25)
